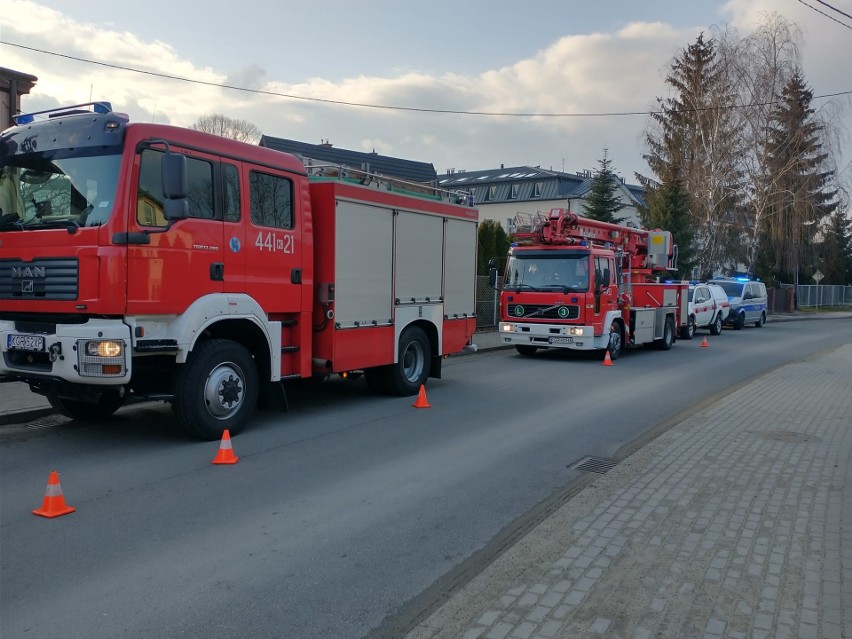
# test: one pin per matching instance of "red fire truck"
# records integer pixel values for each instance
(143, 261)
(576, 283)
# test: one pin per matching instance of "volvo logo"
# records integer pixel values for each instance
(28, 271)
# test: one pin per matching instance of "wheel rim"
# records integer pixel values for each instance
(690, 326)
(224, 390)
(413, 361)
(614, 339)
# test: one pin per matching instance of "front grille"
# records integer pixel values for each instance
(544, 311)
(49, 278)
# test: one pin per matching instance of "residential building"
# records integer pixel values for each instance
(13, 84)
(515, 195)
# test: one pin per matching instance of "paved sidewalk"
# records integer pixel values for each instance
(737, 522)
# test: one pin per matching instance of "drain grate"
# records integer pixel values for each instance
(600, 465)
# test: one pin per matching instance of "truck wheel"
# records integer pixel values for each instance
(761, 321)
(668, 335)
(407, 375)
(526, 351)
(739, 322)
(716, 326)
(616, 340)
(688, 331)
(110, 402)
(216, 389)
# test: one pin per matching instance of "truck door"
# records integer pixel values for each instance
(274, 254)
(172, 269)
(604, 289)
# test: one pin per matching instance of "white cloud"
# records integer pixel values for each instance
(621, 71)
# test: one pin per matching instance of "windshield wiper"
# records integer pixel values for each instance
(70, 225)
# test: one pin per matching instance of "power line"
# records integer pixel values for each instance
(843, 24)
(825, 4)
(394, 107)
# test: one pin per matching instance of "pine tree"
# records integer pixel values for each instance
(693, 139)
(836, 250)
(668, 209)
(796, 179)
(492, 242)
(603, 201)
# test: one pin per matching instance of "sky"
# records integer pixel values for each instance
(575, 62)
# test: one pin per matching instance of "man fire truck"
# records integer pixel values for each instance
(577, 283)
(154, 262)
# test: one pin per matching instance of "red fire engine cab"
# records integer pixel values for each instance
(154, 262)
(576, 283)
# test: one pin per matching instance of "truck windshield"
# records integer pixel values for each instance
(541, 271)
(41, 190)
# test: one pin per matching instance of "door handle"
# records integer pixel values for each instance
(217, 271)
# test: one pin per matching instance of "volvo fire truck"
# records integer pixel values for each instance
(143, 261)
(576, 283)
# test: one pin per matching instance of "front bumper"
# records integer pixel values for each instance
(581, 338)
(95, 353)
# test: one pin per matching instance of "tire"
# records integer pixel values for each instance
(739, 323)
(666, 342)
(405, 377)
(110, 402)
(616, 340)
(216, 389)
(688, 331)
(760, 322)
(716, 326)
(526, 351)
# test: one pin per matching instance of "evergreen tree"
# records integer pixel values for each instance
(693, 139)
(836, 250)
(603, 201)
(668, 209)
(796, 180)
(492, 242)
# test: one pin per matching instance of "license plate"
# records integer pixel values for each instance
(561, 340)
(25, 342)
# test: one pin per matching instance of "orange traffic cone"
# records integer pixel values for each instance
(704, 343)
(421, 399)
(54, 501)
(607, 359)
(226, 450)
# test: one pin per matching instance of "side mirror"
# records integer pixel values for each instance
(175, 186)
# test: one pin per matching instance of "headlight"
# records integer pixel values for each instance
(577, 331)
(505, 327)
(105, 349)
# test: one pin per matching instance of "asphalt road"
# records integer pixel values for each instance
(342, 513)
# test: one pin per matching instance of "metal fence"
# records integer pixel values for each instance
(812, 295)
(487, 304)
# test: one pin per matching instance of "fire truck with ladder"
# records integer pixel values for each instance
(577, 283)
(141, 261)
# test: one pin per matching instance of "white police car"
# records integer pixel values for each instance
(747, 298)
(708, 308)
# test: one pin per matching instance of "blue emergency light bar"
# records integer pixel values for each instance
(58, 112)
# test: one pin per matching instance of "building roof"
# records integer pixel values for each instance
(527, 183)
(421, 172)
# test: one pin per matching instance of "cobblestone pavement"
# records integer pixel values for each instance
(737, 522)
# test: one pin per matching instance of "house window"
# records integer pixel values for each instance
(492, 193)
(513, 192)
(537, 189)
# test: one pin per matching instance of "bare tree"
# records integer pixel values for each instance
(218, 124)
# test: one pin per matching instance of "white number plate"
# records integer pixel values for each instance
(25, 342)
(561, 340)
